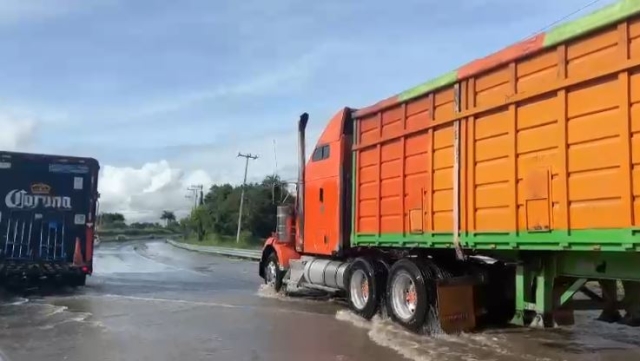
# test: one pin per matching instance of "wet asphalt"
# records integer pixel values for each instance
(151, 301)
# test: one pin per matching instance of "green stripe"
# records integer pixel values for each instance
(433, 84)
(576, 240)
(603, 17)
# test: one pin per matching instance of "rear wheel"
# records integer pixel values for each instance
(77, 280)
(407, 297)
(365, 285)
(272, 274)
(81, 280)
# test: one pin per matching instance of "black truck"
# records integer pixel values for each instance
(47, 217)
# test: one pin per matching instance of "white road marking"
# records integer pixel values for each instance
(200, 303)
(168, 300)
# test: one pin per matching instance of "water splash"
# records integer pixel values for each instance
(434, 345)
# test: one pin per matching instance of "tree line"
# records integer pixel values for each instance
(217, 214)
(114, 224)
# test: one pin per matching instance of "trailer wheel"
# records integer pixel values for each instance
(81, 280)
(365, 284)
(77, 280)
(272, 274)
(407, 296)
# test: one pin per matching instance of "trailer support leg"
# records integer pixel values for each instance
(564, 288)
(567, 295)
(536, 308)
(545, 277)
(523, 294)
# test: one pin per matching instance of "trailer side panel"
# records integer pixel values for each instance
(549, 148)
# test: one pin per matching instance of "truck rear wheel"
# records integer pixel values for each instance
(81, 280)
(78, 280)
(407, 296)
(364, 287)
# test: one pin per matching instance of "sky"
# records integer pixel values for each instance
(166, 93)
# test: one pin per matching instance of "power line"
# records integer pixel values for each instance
(244, 182)
(196, 194)
(582, 8)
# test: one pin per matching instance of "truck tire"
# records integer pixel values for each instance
(365, 287)
(77, 280)
(408, 299)
(272, 274)
(81, 280)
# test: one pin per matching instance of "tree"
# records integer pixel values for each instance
(168, 217)
(111, 220)
(218, 213)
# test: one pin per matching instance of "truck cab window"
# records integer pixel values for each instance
(317, 154)
(321, 152)
(325, 151)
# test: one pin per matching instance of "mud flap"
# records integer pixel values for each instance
(456, 306)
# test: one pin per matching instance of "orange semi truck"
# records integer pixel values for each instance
(490, 194)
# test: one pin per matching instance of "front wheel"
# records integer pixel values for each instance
(272, 274)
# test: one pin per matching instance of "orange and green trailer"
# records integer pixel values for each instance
(495, 191)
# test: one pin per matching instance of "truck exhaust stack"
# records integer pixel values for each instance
(302, 126)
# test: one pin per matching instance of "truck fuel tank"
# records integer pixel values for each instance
(326, 273)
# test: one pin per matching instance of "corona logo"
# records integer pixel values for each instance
(39, 197)
(40, 188)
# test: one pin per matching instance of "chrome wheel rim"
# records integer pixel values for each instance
(271, 273)
(359, 289)
(404, 298)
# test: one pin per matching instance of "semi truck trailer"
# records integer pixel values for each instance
(47, 218)
(491, 194)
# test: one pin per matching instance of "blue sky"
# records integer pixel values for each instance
(192, 82)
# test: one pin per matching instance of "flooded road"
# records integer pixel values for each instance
(150, 301)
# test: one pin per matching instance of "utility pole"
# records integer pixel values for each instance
(244, 182)
(195, 194)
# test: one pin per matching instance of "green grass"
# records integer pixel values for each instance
(246, 242)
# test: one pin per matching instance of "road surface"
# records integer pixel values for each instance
(150, 301)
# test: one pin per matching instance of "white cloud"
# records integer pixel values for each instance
(16, 134)
(141, 194)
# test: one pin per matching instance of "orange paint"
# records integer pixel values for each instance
(324, 189)
(377, 107)
(504, 56)
(284, 251)
(548, 142)
(384, 171)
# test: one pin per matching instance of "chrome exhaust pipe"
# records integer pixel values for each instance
(302, 126)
